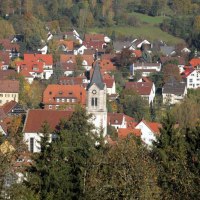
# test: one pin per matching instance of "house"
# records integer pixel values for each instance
(4, 60)
(138, 43)
(119, 120)
(110, 84)
(87, 60)
(145, 68)
(68, 68)
(96, 45)
(179, 61)
(167, 50)
(9, 90)
(65, 45)
(11, 108)
(74, 36)
(120, 45)
(173, 91)
(80, 50)
(194, 62)
(97, 37)
(79, 80)
(32, 130)
(43, 50)
(192, 77)
(63, 97)
(11, 48)
(123, 133)
(145, 89)
(149, 131)
(106, 65)
(35, 66)
(7, 74)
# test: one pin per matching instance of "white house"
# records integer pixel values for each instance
(192, 77)
(173, 91)
(80, 50)
(149, 131)
(145, 89)
(32, 130)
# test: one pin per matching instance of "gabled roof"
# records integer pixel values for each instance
(195, 62)
(106, 65)
(115, 118)
(5, 74)
(46, 58)
(180, 60)
(153, 126)
(68, 66)
(142, 88)
(172, 86)
(35, 119)
(94, 37)
(64, 91)
(7, 107)
(8, 46)
(187, 72)
(125, 132)
(97, 78)
(9, 86)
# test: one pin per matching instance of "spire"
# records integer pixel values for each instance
(96, 77)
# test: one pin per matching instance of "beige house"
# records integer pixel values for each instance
(9, 91)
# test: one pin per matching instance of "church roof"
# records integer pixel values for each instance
(96, 77)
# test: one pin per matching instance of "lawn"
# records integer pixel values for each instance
(149, 29)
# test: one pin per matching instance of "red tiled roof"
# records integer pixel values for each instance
(195, 62)
(66, 80)
(66, 57)
(68, 66)
(35, 119)
(187, 72)
(142, 88)
(95, 44)
(181, 60)
(124, 132)
(7, 107)
(69, 44)
(94, 37)
(4, 57)
(9, 86)
(5, 74)
(109, 82)
(8, 46)
(88, 58)
(64, 91)
(107, 65)
(115, 118)
(46, 58)
(138, 53)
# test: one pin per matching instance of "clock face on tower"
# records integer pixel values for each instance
(94, 91)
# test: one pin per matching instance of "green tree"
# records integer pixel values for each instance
(7, 29)
(134, 105)
(170, 151)
(124, 171)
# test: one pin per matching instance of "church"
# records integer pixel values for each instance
(96, 100)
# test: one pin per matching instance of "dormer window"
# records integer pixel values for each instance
(70, 93)
(116, 121)
(50, 93)
(60, 92)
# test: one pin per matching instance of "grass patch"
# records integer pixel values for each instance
(148, 19)
(145, 31)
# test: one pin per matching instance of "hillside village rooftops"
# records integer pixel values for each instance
(46, 58)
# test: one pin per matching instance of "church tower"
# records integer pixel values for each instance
(96, 100)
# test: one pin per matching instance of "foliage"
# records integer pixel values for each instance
(61, 167)
(7, 29)
(134, 105)
(123, 171)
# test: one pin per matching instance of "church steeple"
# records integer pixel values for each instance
(96, 77)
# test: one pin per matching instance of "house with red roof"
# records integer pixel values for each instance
(36, 66)
(191, 76)
(4, 60)
(64, 97)
(120, 120)
(123, 133)
(110, 84)
(65, 45)
(106, 65)
(145, 89)
(9, 91)
(33, 125)
(149, 131)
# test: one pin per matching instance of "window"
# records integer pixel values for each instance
(191, 80)
(31, 145)
(67, 100)
(50, 106)
(94, 101)
(1, 95)
(58, 100)
(63, 100)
